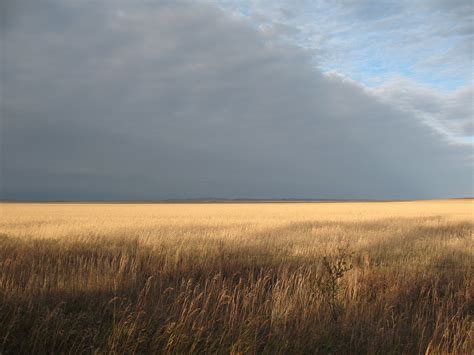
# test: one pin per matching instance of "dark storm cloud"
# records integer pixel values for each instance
(149, 100)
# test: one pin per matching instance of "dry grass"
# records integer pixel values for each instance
(230, 278)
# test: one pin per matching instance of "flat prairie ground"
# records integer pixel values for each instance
(274, 278)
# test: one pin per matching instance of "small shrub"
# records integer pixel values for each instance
(334, 268)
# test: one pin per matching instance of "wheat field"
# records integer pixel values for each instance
(271, 278)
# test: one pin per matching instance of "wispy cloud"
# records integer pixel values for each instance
(422, 46)
(450, 114)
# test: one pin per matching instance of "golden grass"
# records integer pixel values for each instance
(230, 278)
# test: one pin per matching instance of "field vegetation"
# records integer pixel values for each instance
(272, 278)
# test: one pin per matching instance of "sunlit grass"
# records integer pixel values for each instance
(228, 278)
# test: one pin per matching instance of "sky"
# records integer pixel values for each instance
(147, 100)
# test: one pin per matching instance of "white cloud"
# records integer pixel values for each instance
(450, 113)
(430, 41)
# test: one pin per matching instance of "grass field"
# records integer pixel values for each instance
(385, 277)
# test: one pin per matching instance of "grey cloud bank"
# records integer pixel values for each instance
(153, 100)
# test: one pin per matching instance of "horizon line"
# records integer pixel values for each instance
(225, 200)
